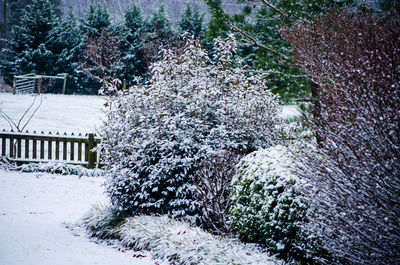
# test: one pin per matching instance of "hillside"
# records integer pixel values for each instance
(116, 7)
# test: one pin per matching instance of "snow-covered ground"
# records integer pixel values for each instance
(58, 113)
(68, 113)
(34, 208)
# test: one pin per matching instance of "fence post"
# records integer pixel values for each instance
(39, 85)
(92, 155)
(64, 84)
(14, 86)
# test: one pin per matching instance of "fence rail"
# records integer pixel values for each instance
(33, 148)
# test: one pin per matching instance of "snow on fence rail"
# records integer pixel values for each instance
(34, 148)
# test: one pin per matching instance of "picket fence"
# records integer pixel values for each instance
(34, 148)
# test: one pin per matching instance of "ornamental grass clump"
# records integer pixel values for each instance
(158, 133)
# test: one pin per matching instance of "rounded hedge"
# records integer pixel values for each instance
(266, 206)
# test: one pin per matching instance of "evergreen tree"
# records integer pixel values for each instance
(158, 25)
(96, 29)
(26, 47)
(192, 21)
(97, 19)
(15, 9)
(265, 49)
(157, 34)
(131, 44)
(218, 26)
(64, 41)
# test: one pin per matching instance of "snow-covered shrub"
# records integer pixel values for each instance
(173, 240)
(157, 133)
(353, 60)
(102, 222)
(212, 190)
(6, 164)
(60, 168)
(266, 207)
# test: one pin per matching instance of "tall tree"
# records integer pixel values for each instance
(5, 19)
(97, 19)
(26, 46)
(15, 9)
(262, 46)
(131, 44)
(157, 34)
(192, 21)
(64, 41)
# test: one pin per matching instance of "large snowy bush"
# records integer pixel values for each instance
(266, 207)
(157, 133)
(354, 62)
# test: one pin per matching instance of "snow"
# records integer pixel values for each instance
(62, 113)
(290, 111)
(34, 208)
(70, 113)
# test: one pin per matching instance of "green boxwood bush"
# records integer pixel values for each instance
(266, 206)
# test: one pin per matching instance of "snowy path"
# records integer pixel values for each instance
(33, 209)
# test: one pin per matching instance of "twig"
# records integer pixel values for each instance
(33, 113)
(8, 119)
(279, 11)
(20, 120)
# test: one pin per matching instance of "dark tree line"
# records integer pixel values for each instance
(90, 50)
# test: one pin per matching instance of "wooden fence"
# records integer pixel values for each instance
(33, 148)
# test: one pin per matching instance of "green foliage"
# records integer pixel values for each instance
(158, 25)
(266, 206)
(64, 41)
(15, 10)
(133, 18)
(157, 34)
(192, 22)
(26, 48)
(97, 19)
(263, 24)
(218, 26)
(131, 44)
(390, 6)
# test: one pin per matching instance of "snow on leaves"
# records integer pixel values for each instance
(157, 133)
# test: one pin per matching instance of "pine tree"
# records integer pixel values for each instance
(96, 29)
(218, 26)
(16, 7)
(265, 49)
(157, 34)
(26, 47)
(97, 19)
(64, 41)
(192, 21)
(131, 44)
(158, 25)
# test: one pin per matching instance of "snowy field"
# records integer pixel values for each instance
(34, 207)
(58, 113)
(33, 210)
(68, 113)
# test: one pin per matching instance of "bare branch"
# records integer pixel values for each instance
(8, 119)
(279, 11)
(33, 113)
(28, 109)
